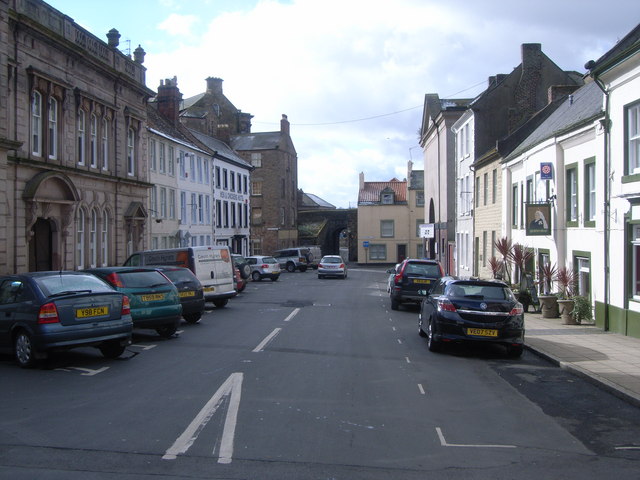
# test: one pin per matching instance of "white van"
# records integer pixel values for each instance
(212, 265)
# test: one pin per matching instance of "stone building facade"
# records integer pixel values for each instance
(73, 166)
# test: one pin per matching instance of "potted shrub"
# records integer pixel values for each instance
(582, 309)
(520, 256)
(566, 279)
(548, 302)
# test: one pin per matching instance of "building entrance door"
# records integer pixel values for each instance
(402, 252)
(40, 251)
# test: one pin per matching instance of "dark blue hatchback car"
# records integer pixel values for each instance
(45, 311)
(458, 310)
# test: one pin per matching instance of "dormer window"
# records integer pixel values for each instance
(387, 197)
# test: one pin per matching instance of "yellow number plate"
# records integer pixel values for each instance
(419, 280)
(189, 293)
(152, 297)
(482, 332)
(92, 312)
(209, 289)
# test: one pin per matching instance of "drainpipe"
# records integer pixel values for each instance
(606, 123)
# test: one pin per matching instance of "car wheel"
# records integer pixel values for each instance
(394, 304)
(320, 276)
(112, 349)
(255, 276)
(220, 303)
(291, 267)
(344, 277)
(274, 279)
(420, 330)
(434, 345)
(23, 348)
(167, 331)
(192, 317)
(514, 351)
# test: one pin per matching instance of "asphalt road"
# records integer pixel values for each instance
(309, 379)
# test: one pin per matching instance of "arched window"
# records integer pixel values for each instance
(80, 239)
(94, 141)
(131, 159)
(81, 137)
(36, 123)
(53, 128)
(105, 144)
(93, 239)
(105, 238)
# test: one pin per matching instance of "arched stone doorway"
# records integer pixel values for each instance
(50, 199)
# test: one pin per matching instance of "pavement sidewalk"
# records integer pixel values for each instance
(608, 359)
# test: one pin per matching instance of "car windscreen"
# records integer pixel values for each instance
(331, 260)
(141, 279)
(180, 276)
(423, 269)
(486, 292)
(270, 260)
(55, 284)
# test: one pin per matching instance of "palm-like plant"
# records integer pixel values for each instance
(548, 273)
(503, 245)
(496, 266)
(567, 280)
(520, 256)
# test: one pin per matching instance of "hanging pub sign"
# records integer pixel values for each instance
(538, 217)
(546, 171)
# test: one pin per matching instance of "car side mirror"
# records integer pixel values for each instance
(391, 270)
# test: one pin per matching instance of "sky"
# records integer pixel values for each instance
(351, 75)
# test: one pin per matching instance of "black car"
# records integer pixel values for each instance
(459, 310)
(189, 290)
(411, 280)
(45, 311)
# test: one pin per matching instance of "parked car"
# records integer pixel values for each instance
(154, 299)
(412, 280)
(292, 259)
(189, 291)
(211, 264)
(241, 264)
(239, 283)
(264, 266)
(472, 311)
(332, 266)
(45, 311)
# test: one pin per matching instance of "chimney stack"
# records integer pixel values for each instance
(214, 85)
(169, 98)
(284, 125)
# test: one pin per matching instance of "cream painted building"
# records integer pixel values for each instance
(389, 216)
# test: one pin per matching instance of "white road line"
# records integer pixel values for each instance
(88, 372)
(232, 386)
(267, 340)
(444, 443)
(393, 328)
(421, 389)
(143, 347)
(627, 448)
(292, 314)
(407, 359)
(400, 341)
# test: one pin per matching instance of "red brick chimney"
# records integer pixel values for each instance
(168, 99)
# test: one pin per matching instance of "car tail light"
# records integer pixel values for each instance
(446, 305)
(264, 265)
(48, 314)
(517, 310)
(126, 306)
(114, 279)
(342, 265)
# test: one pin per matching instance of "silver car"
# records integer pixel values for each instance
(332, 266)
(264, 266)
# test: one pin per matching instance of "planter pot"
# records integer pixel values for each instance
(549, 306)
(566, 309)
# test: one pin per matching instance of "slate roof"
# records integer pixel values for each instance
(159, 125)
(256, 141)
(369, 194)
(313, 201)
(580, 108)
(221, 149)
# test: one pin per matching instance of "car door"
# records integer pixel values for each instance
(430, 303)
(16, 305)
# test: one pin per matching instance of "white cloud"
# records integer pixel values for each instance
(178, 24)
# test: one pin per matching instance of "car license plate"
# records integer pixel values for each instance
(209, 289)
(92, 312)
(482, 332)
(152, 297)
(189, 293)
(420, 280)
